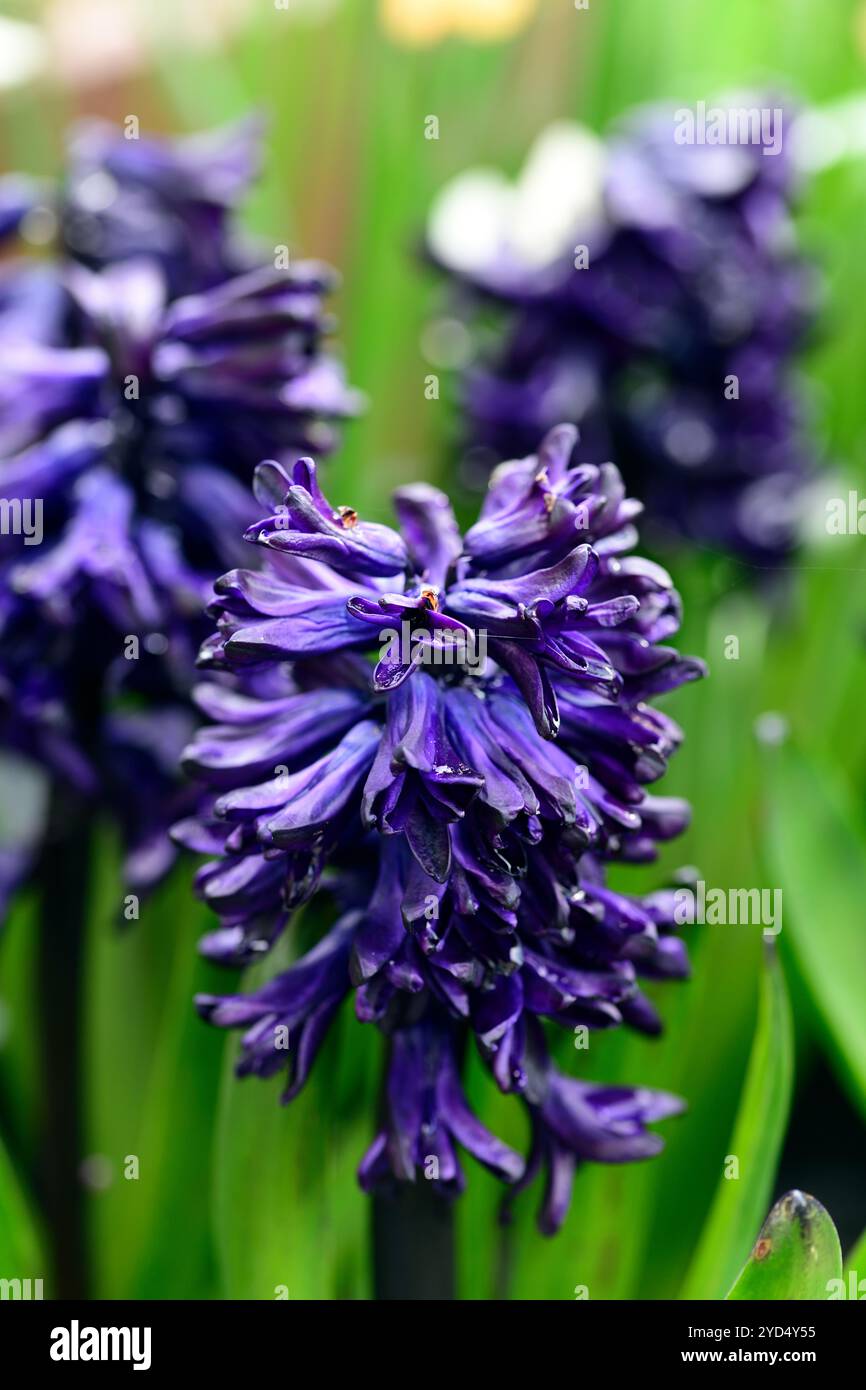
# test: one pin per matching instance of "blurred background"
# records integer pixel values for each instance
(236, 1196)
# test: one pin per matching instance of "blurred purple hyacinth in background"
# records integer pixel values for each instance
(449, 738)
(652, 292)
(148, 360)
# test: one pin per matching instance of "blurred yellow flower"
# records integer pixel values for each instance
(420, 23)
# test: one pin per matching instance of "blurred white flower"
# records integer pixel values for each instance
(481, 217)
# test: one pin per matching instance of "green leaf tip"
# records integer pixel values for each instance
(796, 1256)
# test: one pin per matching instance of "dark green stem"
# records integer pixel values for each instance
(63, 879)
(413, 1244)
(414, 1248)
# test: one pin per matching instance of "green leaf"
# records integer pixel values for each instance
(289, 1217)
(796, 1255)
(21, 1253)
(152, 1088)
(178, 1119)
(818, 853)
(741, 1200)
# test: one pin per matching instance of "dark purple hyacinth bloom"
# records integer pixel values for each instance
(146, 366)
(126, 198)
(452, 736)
(653, 292)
